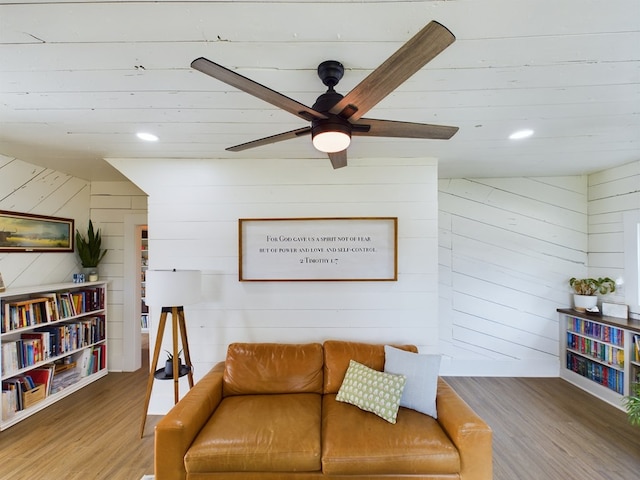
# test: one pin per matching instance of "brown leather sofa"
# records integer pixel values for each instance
(269, 412)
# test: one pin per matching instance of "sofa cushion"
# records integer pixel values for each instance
(421, 371)
(355, 442)
(260, 433)
(372, 391)
(338, 354)
(259, 368)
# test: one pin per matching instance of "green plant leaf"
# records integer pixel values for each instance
(89, 248)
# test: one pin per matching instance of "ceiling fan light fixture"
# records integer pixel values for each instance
(331, 137)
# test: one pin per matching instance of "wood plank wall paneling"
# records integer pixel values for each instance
(111, 202)
(507, 248)
(611, 193)
(194, 206)
(33, 189)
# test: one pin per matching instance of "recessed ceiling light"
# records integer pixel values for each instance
(148, 137)
(520, 134)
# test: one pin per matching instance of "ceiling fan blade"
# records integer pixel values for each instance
(272, 139)
(391, 128)
(338, 159)
(411, 57)
(254, 88)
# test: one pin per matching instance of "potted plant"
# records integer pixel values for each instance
(632, 404)
(168, 365)
(586, 291)
(89, 249)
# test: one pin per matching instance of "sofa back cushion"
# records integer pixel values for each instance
(337, 355)
(272, 368)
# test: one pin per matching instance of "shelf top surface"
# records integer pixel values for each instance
(53, 287)
(626, 323)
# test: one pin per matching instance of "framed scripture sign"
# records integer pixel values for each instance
(25, 232)
(318, 249)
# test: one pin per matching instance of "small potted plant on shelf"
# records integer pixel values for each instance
(586, 291)
(90, 251)
(168, 365)
(632, 404)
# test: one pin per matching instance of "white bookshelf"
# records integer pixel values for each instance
(603, 364)
(144, 265)
(70, 323)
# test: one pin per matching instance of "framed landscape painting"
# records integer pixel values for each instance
(26, 232)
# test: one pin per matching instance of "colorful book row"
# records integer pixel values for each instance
(51, 341)
(605, 376)
(28, 313)
(596, 330)
(49, 307)
(49, 379)
(602, 351)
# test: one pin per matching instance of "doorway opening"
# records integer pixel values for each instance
(136, 259)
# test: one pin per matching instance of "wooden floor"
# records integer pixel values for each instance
(547, 429)
(544, 429)
(93, 434)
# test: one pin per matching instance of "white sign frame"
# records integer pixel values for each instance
(318, 249)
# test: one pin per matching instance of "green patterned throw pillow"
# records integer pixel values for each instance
(372, 391)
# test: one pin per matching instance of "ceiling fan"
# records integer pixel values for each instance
(334, 117)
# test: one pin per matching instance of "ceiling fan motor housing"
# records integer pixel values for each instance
(330, 72)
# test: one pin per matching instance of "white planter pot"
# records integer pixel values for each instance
(582, 302)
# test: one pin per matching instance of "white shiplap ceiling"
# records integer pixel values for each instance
(79, 79)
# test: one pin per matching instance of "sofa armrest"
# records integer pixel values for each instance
(470, 434)
(175, 433)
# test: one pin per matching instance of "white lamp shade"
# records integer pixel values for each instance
(173, 288)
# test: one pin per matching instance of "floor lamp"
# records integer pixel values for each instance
(171, 290)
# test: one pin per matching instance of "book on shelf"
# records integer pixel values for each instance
(67, 337)
(17, 387)
(28, 350)
(51, 305)
(602, 374)
(64, 376)
(66, 305)
(42, 308)
(85, 362)
(25, 313)
(9, 405)
(93, 360)
(597, 330)
(41, 346)
(43, 376)
(10, 360)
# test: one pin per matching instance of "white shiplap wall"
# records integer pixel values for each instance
(507, 249)
(29, 188)
(612, 192)
(194, 206)
(111, 202)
